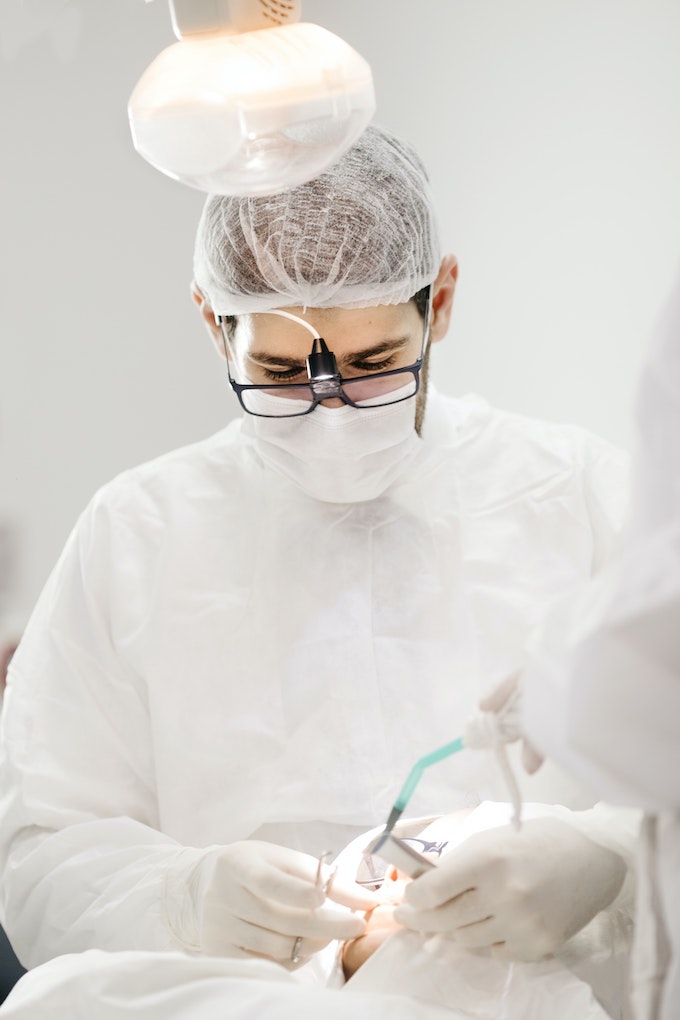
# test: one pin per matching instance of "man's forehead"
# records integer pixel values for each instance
(379, 321)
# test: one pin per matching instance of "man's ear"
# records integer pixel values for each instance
(208, 316)
(443, 291)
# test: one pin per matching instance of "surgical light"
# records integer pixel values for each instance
(250, 101)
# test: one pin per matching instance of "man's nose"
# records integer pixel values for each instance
(332, 402)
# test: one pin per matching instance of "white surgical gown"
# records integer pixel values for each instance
(216, 654)
(602, 692)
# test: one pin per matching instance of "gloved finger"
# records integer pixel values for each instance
(301, 950)
(480, 935)
(458, 873)
(348, 893)
(469, 908)
(330, 923)
(276, 874)
(430, 921)
(496, 699)
(326, 922)
(271, 944)
(434, 921)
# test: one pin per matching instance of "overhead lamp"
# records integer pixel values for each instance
(250, 101)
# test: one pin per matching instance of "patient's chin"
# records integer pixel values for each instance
(380, 924)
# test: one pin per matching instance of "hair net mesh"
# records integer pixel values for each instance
(362, 233)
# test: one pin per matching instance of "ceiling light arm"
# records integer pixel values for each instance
(200, 17)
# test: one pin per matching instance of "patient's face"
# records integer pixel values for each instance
(389, 884)
(380, 923)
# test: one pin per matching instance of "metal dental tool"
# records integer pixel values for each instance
(482, 730)
(411, 782)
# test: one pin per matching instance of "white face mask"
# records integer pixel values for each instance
(338, 454)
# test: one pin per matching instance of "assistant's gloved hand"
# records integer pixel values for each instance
(506, 699)
(524, 893)
(262, 898)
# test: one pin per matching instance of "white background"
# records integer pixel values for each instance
(550, 128)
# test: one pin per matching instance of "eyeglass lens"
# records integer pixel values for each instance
(382, 390)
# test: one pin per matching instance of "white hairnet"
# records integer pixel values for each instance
(362, 233)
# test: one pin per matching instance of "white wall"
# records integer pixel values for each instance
(550, 128)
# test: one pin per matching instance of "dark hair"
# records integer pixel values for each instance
(422, 299)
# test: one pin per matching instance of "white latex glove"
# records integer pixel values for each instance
(263, 899)
(523, 893)
(508, 696)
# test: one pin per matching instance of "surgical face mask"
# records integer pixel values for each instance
(338, 454)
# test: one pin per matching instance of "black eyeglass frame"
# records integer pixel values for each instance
(327, 380)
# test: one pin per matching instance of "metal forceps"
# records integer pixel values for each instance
(324, 883)
(321, 883)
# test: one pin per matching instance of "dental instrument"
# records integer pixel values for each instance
(395, 851)
(483, 730)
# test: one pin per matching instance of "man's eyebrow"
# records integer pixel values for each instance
(385, 346)
(263, 358)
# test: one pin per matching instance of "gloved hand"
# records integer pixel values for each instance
(262, 898)
(524, 893)
(505, 699)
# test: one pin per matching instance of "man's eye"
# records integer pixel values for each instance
(375, 366)
(286, 376)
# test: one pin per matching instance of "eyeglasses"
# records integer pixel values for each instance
(425, 846)
(373, 870)
(292, 400)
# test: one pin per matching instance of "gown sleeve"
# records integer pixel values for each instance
(602, 689)
(82, 860)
